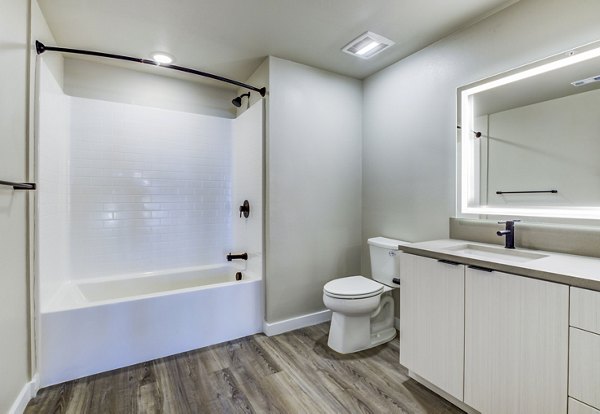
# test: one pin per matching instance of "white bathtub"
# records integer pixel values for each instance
(102, 324)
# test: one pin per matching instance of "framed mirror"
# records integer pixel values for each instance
(529, 139)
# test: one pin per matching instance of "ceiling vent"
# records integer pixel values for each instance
(586, 81)
(367, 45)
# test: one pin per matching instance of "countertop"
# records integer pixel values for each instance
(578, 271)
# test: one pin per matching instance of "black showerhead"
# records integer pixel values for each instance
(237, 102)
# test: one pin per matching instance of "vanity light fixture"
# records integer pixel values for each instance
(367, 45)
(162, 58)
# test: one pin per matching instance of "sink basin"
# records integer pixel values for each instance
(477, 251)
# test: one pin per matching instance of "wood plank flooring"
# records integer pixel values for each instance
(290, 373)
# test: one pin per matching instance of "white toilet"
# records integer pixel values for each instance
(362, 309)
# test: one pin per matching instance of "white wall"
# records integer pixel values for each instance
(410, 111)
(313, 207)
(53, 140)
(14, 278)
(258, 79)
(549, 145)
(247, 184)
(150, 189)
(148, 86)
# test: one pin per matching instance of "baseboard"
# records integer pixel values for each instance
(28, 391)
(276, 328)
(397, 323)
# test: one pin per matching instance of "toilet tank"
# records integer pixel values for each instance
(385, 264)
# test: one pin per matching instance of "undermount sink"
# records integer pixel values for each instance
(494, 253)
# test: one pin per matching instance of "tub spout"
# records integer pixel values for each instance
(243, 256)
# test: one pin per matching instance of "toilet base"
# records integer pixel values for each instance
(354, 333)
(382, 337)
(355, 343)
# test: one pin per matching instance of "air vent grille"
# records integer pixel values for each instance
(367, 45)
(586, 81)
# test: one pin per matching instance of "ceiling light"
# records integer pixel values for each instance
(368, 48)
(367, 45)
(162, 58)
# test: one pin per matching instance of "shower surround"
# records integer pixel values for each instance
(137, 208)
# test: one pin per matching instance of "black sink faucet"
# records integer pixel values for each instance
(509, 232)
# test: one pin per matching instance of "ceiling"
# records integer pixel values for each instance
(232, 37)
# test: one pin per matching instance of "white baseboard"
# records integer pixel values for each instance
(276, 328)
(28, 391)
(397, 323)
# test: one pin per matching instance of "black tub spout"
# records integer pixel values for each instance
(243, 256)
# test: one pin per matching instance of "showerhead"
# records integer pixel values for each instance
(237, 102)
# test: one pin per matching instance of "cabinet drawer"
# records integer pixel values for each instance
(584, 367)
(585, 309)
(575, 407)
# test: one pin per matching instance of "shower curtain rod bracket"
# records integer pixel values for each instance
(41, 48)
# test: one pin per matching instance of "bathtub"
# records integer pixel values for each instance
(98, 325)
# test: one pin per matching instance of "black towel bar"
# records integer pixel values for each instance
(527, 192)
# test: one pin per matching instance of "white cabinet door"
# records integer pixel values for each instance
(432, 321)
(516, 344)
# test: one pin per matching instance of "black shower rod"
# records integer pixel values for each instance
(19, 186)
(41, 48)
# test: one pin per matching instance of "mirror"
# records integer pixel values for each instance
(529, 141)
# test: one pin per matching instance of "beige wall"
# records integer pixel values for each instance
(14, 288)
(313, 185)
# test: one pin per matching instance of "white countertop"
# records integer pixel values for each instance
(579, 271)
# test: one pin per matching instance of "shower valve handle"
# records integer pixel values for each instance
(245, 209)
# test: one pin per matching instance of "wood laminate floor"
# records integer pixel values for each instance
(290, 373)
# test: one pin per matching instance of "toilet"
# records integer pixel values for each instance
(362, 308)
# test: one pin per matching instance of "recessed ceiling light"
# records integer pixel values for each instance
(162, 58)
(367, 45)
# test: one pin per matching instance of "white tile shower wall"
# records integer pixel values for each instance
(150, 189)
(248, 185)
(53, 190)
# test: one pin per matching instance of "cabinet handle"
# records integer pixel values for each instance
(483, 269)
(450, 262)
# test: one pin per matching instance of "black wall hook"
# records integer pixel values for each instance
(245, 209)
(477, 133)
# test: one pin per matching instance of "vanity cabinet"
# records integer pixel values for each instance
(432, 321)
(516, 343)
(497, 342)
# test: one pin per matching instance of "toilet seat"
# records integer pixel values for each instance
(352, 287)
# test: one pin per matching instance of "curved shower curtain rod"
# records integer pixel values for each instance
(41, 48)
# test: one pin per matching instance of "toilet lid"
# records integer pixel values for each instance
(353, 287)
